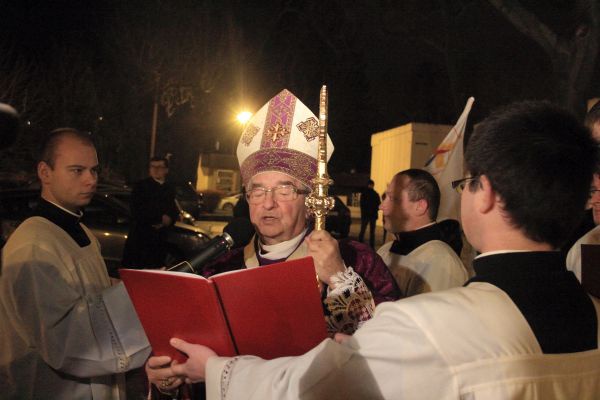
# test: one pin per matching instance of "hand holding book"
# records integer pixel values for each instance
(269, 311)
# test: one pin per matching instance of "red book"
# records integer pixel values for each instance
(270, 311)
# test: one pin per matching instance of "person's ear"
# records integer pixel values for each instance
(44, 172)
(421, 207)
(487, 198)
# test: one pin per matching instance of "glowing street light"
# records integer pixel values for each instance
(244, 117)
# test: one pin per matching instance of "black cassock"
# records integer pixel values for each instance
(145, 246)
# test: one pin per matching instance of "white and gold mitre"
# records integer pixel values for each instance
(281, 137)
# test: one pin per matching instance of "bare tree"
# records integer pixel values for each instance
(443, 32)
(18, 88)
(183, 45)
(70, 89)
(17, 82)
(573, 57)
(175, 54)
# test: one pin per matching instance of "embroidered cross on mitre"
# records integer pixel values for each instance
(277, 131)
(310, 128)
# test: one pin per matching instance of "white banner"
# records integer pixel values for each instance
(446, 165)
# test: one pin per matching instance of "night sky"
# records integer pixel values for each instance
(386, 63)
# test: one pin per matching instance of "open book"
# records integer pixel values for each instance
(270, 311)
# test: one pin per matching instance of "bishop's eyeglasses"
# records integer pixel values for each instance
(459, 185)
(258, 195)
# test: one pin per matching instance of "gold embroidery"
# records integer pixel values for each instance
(291, 162)
(249, 133)
(278, 131)
(310, 128)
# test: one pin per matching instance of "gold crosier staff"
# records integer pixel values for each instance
(318, 202)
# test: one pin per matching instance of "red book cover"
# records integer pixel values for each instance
(176, 304)
(269, 311)
(274, 310)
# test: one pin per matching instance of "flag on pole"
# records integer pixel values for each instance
(446, 165)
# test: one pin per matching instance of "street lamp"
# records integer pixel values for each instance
(244, 117)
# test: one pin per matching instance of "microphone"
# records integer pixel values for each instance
(236, 234)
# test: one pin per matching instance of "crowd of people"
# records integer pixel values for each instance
(405, 321)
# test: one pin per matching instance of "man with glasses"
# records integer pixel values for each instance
(153, 210)
(522, 328)
(277, 155)
(420, 257)
(591, 216)
(593, 235)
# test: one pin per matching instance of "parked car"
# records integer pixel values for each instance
(108, 218)
(122, 195)
(228, 202)
(189, 199)
(339, 220)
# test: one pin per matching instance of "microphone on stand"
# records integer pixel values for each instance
(236, 234)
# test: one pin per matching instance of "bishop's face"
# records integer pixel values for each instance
(277, 221)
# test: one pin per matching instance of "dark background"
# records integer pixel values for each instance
(98, 66)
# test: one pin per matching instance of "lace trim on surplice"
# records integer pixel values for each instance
(349, 301)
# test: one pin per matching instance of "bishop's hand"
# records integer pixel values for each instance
(325, 251)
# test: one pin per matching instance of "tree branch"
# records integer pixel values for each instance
(526, 23)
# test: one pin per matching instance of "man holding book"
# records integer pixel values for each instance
(523, 327)
(277, 155)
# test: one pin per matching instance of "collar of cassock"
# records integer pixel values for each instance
(408, 241)
(513, 264)
(267, 255)
(559, 312)
(64, 219)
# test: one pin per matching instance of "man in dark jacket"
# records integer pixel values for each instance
(153, 210)
(369, 206)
